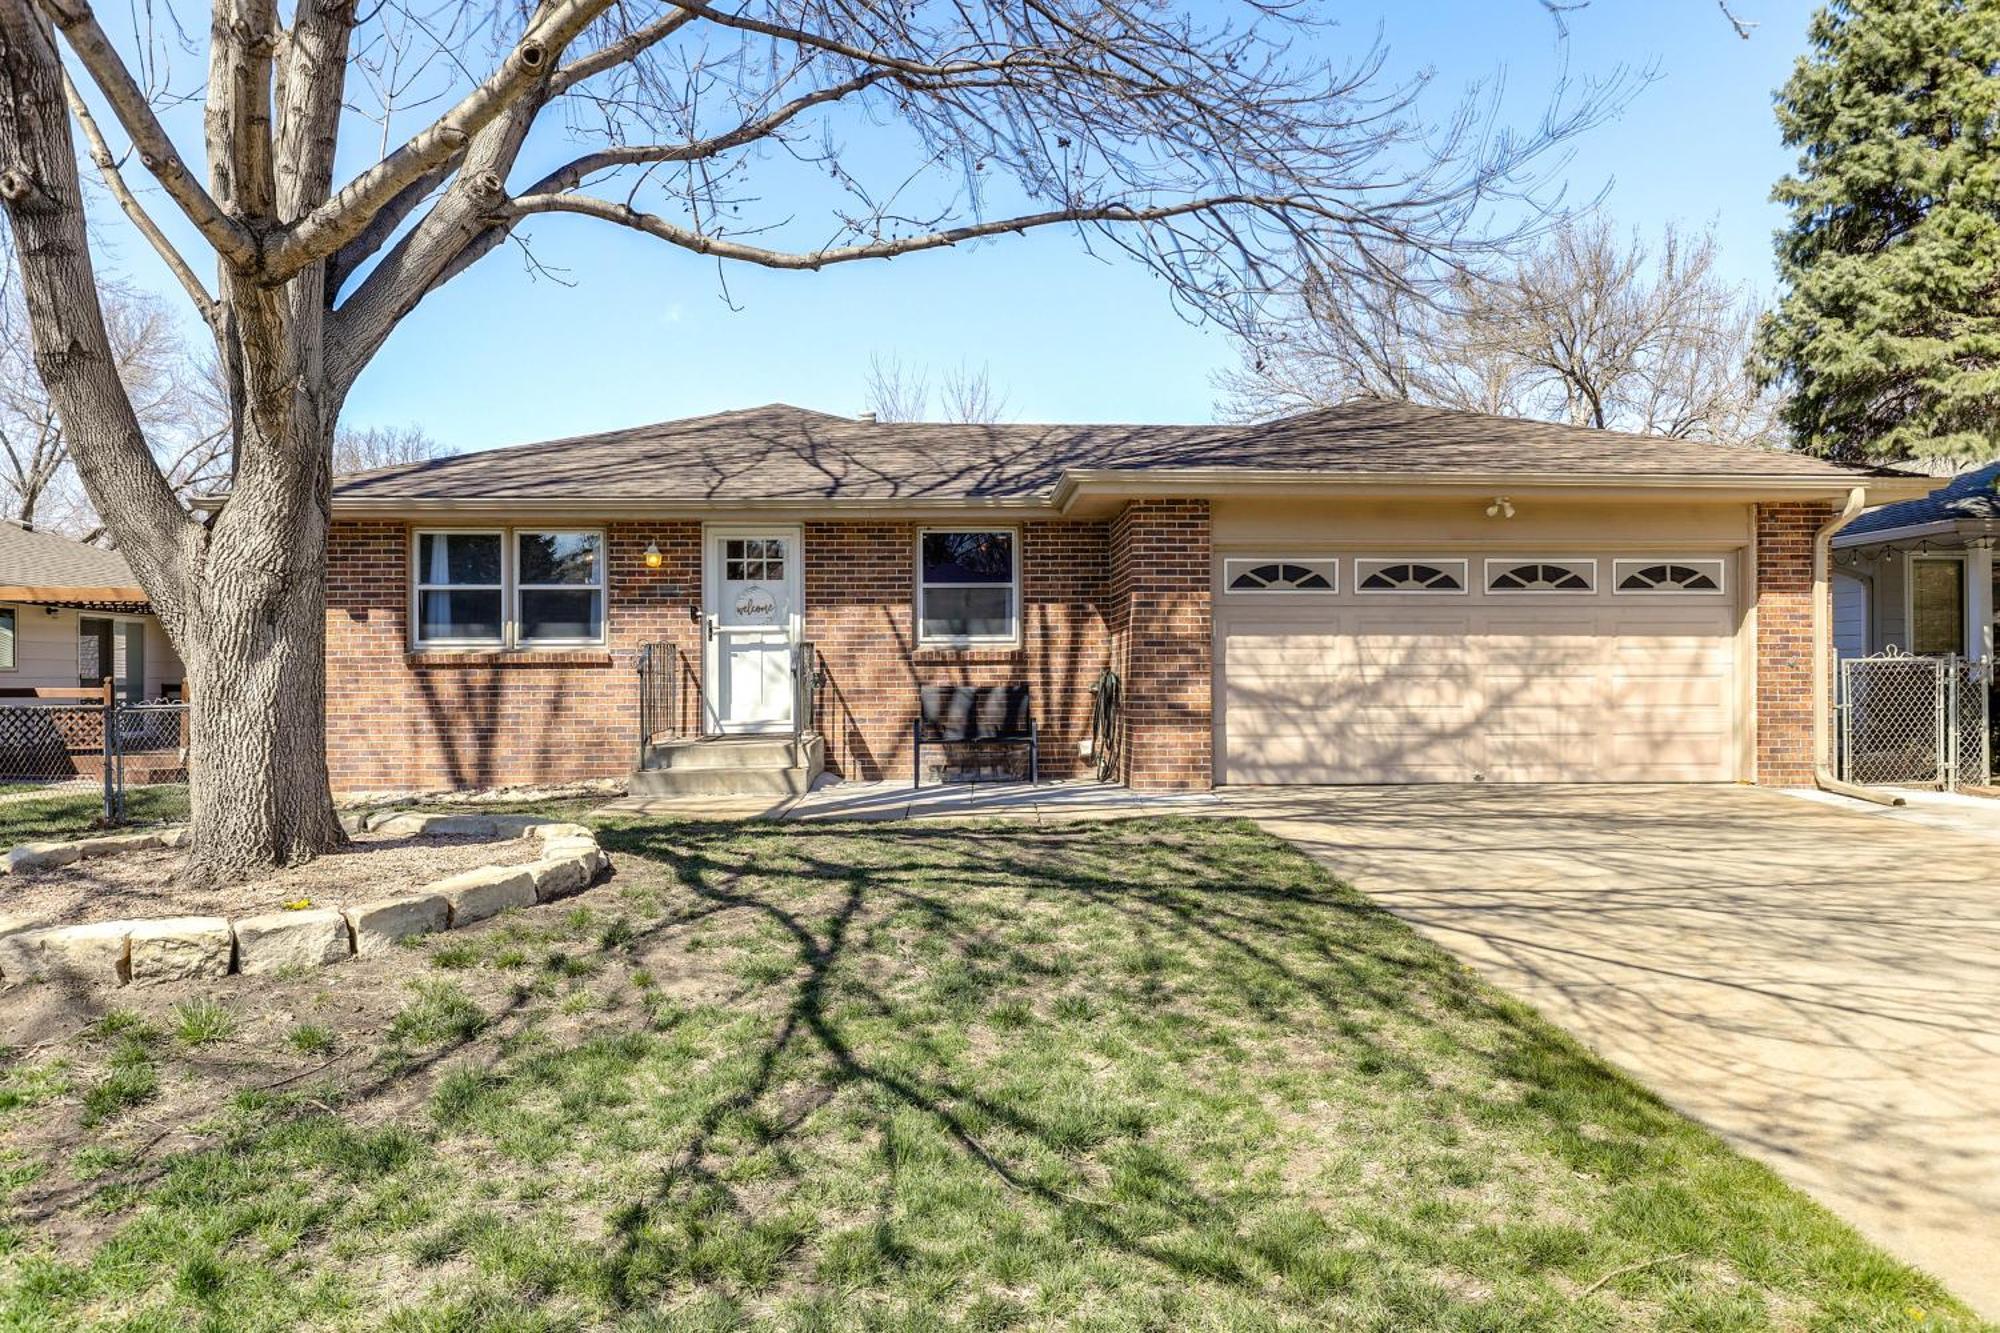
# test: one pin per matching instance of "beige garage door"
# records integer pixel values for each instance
(1600, 669)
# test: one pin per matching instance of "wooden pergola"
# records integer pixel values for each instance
(128, 599)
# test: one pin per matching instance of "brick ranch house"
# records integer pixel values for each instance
(1372, 593)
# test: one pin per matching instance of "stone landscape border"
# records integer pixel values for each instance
(116, 953)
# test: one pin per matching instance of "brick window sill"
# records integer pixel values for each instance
(971, 655)
(507, 657)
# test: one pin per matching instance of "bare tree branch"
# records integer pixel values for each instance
(723, 248)
(142, 221)
(343, 216)
(619, 52)
(573, 173)
(156, 150)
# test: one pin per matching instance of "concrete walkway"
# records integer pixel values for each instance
(1002, 800)
(1819, 984)
(877, 801)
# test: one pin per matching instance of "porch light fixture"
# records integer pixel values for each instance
(653, 557)
(1501, 507)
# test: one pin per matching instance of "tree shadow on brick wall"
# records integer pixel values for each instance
(473, 729)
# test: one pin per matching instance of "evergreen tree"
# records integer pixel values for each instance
(1887, 339)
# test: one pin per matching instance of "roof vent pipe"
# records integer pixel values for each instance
(866, 418)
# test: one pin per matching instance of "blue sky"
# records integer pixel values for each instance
(644, 334)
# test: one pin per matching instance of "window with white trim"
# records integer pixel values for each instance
(7, 659)
(461, 587)
(968, 585)
(509, 587)
(1567, 576)
(1667, 576)
(1409, 576)
(559, 587)
(1261, 575)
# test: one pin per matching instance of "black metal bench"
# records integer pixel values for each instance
(976, 715)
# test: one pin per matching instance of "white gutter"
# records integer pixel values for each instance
(1114, 484)
(1822, 649)
(1078, 483)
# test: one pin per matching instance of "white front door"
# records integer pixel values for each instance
(750, 579)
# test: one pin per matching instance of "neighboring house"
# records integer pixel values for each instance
(72, 614)
(1373, 593)
(1919, 576)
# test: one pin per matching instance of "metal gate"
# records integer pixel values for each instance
(1916, 721)
(146, 748)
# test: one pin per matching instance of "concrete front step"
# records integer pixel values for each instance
(731, 766)
(733, 752)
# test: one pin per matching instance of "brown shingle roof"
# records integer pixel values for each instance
(44, 560)
(779, 452)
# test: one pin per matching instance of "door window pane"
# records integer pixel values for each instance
(1937, 606)
(745, 559)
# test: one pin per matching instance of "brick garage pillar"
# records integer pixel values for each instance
(1161, 615)
(1784, 640)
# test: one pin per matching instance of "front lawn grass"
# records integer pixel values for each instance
(1135, 1075)
(80, 813)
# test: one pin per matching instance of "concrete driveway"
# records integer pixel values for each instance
(1819, 985)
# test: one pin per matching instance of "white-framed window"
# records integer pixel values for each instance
(1667, 577)
(8, 652)
(507, 587)
(968, 585)
(1391, 575)
(558, 586)
(1514, 575)
(1297, 574)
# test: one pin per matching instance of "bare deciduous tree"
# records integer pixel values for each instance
(1199, 141)
(895, 392)
(965, 394)
(899, 393)
(39, 486)
(361, 448)
(1585, 328)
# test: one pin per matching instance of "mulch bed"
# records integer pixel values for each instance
(138, 885)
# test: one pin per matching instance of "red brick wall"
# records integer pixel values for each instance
(464, 720)
(1784, 640)
(859, 590)
(1161, 617)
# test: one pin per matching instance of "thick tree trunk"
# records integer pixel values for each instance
(242, 597)
(254, 648)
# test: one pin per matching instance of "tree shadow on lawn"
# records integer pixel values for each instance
(1208, 947)
(1150, 1073)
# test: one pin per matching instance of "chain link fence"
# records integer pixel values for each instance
(149, 755)
(130, 758)
(1916, 721)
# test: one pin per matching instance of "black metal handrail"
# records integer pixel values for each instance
(659, 666)
(808, 674)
